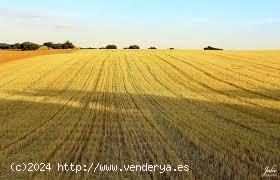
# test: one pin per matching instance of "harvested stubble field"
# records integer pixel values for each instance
(11, 55)
(218, 112)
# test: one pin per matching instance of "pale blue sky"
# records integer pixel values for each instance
(193, 24)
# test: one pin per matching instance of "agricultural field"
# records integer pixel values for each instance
(216, 111)
(11, 55)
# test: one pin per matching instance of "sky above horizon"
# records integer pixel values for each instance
(186, 24)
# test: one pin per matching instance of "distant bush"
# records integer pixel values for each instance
(49, 45)
(172, 48)
(66, 45)
(212, 48)
(16, 46)
(29, 46)
(152, 48)
(4, 46)
(111, 47)
(125, 48)
(57, 46)
(134, 47)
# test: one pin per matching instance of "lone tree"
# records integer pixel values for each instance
(152, 48)
(111, 47)
(212, 48)
(29, 46)
(134, 47)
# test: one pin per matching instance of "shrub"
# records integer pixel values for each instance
(49, 45)
(57, 46)
(152, 48)
(172, 48)
(68, 45)
(4, 46)
(212, 48)
(134, 47)
(16, 46)
(111, 47)
(27, 46)
(9, 46)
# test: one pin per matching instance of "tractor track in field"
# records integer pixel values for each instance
(221, 117)
(238, 64)
(228, 70)
(127, 116)
(135, 107)
(84, 134)
(45, 74)
(37, 81)
(268, 137)
(265, 59)
(133, 101)
(215, 90)
(213, 113)
(224, 81)
(252, 68)
(85, 106)
(207, 110)
(20, 66)
(191, 146)
(149, 121)
(238, 73)
(249, 62)
(141, 145)
(69, 83)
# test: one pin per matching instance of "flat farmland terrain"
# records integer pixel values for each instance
(11, 55)
(218, 112)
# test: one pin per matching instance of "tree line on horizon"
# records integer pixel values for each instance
(25, 46)
(29, 46)
(115, 47)
(151, 48)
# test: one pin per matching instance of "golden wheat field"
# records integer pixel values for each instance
(11, 55)
(218, 112)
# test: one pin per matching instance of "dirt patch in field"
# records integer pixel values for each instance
(12, 55)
